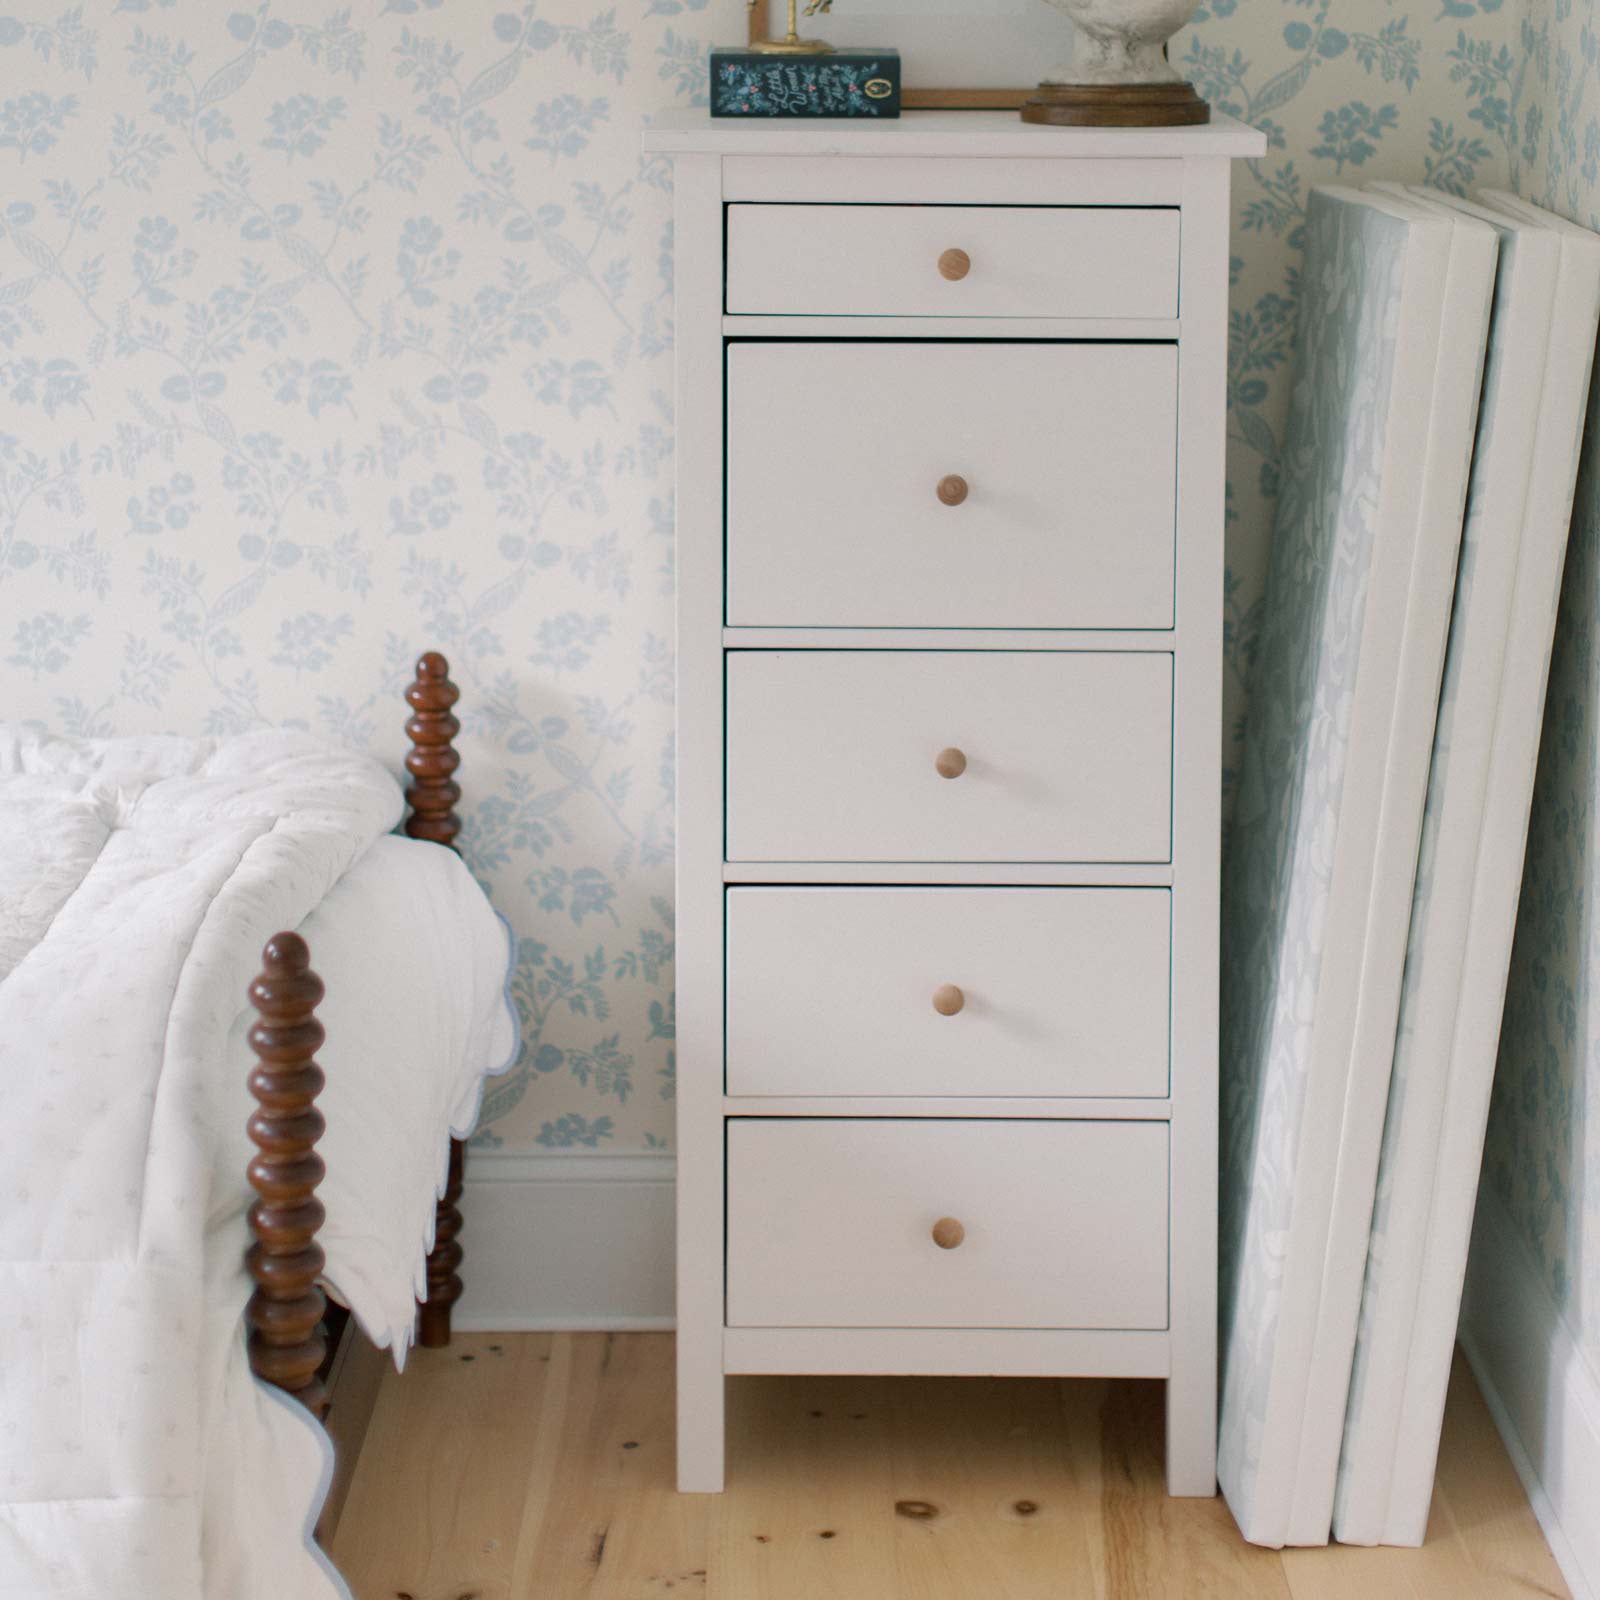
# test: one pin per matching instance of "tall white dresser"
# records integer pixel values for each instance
(950, 423)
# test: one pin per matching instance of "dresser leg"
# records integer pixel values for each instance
(1192, 1429)
(701, 1426)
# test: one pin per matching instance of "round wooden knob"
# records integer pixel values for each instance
(950, 763)
(948, 999)
(954, 265)
(948, 1233)
(953, 489)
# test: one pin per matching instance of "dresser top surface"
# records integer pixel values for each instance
(940, 133)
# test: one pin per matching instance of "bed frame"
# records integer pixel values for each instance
(289, 1346)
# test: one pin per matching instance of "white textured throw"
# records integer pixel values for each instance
(138, 882)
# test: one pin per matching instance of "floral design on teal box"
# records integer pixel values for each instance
(803, 89)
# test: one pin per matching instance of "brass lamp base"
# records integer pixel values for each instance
(1116, 105)
(793, 45)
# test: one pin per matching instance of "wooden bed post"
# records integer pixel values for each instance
(432, 761)
(444, 1260)
(284, 1316)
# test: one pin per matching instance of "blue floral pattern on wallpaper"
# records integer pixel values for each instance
(1543, 1154)
(1346, 91)
(328, 332)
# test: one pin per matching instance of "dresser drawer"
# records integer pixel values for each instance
(953, 261)
(836, 755)
(951, 485)
(948, 991)
(831, 1224)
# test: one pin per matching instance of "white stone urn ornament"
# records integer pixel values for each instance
(1120, 75)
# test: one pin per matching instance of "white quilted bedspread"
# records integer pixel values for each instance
(138, 882)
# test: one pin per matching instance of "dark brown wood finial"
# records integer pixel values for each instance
(444, 1260)
(432, 759)
(287, 1345)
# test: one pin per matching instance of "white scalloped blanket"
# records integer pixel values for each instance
(139, 879)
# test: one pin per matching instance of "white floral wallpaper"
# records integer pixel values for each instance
(331, 332)
(1348, 91)
(1543, 1158)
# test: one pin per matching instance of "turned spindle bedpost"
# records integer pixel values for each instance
(432, 761)
(444, 1260)
(284, 1316)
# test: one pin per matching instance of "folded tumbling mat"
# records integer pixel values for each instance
(1322, 855)
(1541, 348)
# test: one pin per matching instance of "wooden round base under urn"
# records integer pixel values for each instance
(1116, 105)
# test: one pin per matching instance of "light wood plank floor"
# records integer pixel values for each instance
(539, 1467)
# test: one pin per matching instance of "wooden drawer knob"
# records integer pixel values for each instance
(950, 763)
(954, 265)
(953, 489)
(948, 1233)
(948, 999)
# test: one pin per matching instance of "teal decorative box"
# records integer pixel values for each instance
(843, 83)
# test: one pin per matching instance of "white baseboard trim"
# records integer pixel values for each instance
(567, 1239)
(1540, 1389)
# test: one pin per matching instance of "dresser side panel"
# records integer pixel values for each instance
(697, 211)
(1197, 825)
